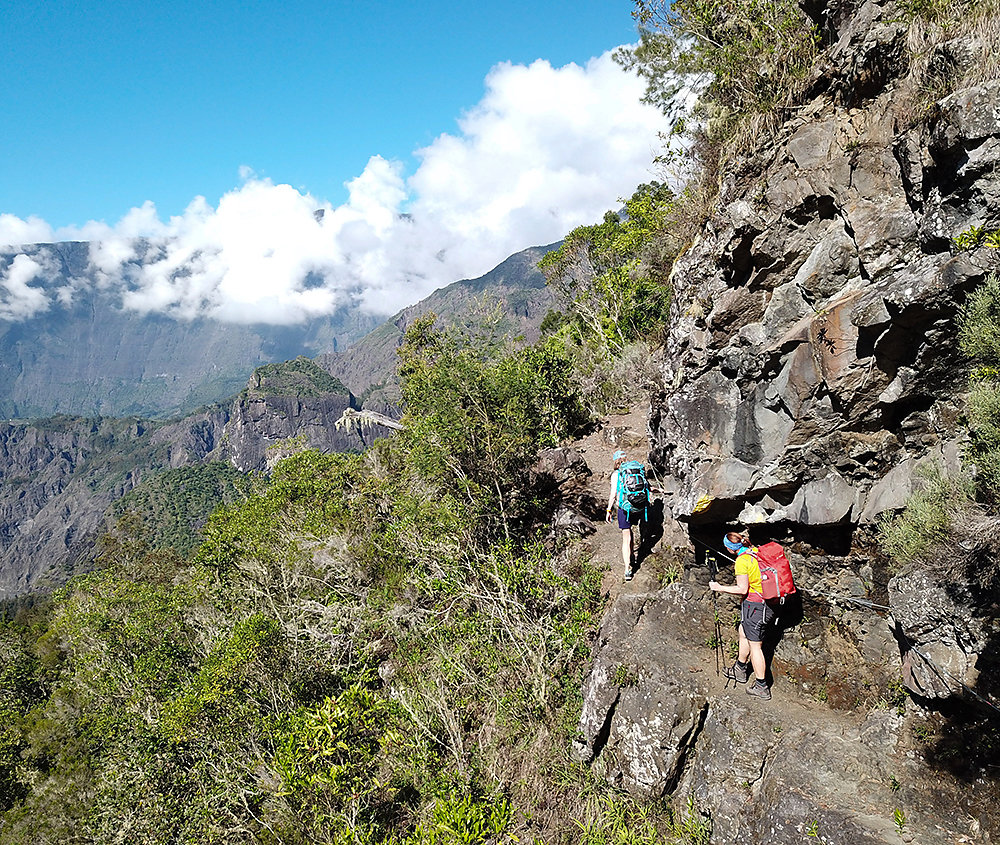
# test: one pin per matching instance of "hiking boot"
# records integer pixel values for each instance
(736, 673)
(759, 690)
(629, 574)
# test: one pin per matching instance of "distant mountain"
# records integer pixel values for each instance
(92, 357)
(62, 478)
(514, 291)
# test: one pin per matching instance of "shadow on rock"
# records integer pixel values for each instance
(650, 531)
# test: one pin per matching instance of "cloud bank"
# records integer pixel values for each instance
(545, 150)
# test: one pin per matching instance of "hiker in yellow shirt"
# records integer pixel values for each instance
(755, 615)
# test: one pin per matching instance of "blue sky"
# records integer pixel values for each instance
(284, 159)
(110, 104)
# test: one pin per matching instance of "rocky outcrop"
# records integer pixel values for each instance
(811, 378)
(259, 425)
(813, 363)
(61, 476)
(813, 372)
(658, 721)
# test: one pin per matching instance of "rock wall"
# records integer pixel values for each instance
(812, 371)
(813, 363)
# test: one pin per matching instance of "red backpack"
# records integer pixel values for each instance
(775, 572)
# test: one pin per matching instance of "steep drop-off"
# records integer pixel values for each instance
(59, 477)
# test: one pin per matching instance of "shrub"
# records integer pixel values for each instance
(476, 417)
(927, 518)
(979, 338)
(605, 277)
(746, 55)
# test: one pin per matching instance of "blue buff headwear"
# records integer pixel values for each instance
(617, 455)
(733, 547)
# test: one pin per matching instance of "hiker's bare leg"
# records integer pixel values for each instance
(627, 547)
(744, 651)
(757, 659)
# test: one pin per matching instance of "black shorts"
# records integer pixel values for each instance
(755, 616)
(629, 519)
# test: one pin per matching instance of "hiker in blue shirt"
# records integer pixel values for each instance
(629, 496)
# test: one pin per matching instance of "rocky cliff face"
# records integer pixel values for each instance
(261, 421)
(812, 371)
(59, 477)
(813, 364)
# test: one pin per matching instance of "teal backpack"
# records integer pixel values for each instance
(633, 490)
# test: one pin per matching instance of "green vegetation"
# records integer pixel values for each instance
(931, 513)
(748, 55)
(301, 377)
(365, 648)
(979, 338)
(607, 277)
(975, 237)
(613, 296)
(942, 12)
(899, 819)
(174, 505)
(621, 821)
(927, 519)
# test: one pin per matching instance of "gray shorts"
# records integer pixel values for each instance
(755, 616)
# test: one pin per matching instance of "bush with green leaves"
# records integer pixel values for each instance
(979, 338)
(927, 519)
(609, 279)
(746, 56)
(476, 416)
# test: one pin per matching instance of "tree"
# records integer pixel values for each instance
(608, 278)
(744, 55)
(477, 414)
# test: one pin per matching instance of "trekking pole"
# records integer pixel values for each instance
(714, 569)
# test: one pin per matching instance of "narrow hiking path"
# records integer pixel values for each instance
(861, 771)
(628, 431)
(685, 640)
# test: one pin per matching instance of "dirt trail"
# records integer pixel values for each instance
(626, 431)
(686, 644)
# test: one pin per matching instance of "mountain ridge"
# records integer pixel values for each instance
(61, 475)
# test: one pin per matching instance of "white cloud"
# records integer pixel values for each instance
(16, 232)
(545, 150)
(18, 300)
